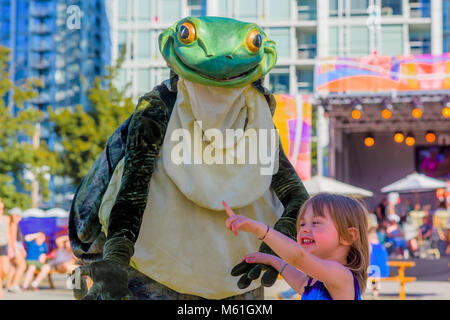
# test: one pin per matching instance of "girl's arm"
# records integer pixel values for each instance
(294, 277)
(333, 274)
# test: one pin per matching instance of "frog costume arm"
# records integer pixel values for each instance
(146, 129)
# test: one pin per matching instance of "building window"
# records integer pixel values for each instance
(197, 8)
(419, 41)
(419, 8)
(278, 10)
(391, 40)
(122, 41)
(333, 49)
(306, 44)
(359, 44)
(307, 9)
(170, 10)
(143, 10)
(359, 7)
(305, 81)
(248, 9)
(224, 8)
(143, 45)
(334, 8)
(143, 81)
(391, 7)
(122, 79)
(122, 11)
(279, 81)
(281, 36)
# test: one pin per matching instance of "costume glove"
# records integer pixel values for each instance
(109, 276)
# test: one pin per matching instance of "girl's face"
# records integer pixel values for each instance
(318, 235)
(2, 207)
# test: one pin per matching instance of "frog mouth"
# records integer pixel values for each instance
(232, 78)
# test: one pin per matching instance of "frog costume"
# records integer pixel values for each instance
(149, 227)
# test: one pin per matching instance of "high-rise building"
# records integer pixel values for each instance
(446, 24)
(302, 30)
(60, 42)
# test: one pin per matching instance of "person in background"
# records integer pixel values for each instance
(396, 237)
(380, 210)
(64, 261)
(378, 259)
(403, 210)
(36, 258)
(426, 229)
(5, 245)
(411, 231)
(18, 263)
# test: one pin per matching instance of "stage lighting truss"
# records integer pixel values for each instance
(387, 110)
(356, 109)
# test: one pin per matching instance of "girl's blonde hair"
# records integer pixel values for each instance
(345, 213)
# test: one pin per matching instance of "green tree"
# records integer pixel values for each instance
(84, 133)
(17, 153)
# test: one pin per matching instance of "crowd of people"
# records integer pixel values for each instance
(411, 231)
(25, 260)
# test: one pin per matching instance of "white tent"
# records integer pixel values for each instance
(415, 182)
(16, 211)
(319, 184)
(34, 212)
(57, 212)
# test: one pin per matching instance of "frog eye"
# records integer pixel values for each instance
(254, 41)
(186, 34)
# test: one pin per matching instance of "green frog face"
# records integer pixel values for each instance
(216, 51)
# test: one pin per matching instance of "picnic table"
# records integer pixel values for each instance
(400, 277)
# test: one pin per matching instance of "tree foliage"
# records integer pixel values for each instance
(16, 150)
(84, 131)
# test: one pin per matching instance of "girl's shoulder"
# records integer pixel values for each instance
(350, 281)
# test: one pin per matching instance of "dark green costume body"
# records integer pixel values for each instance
(138, 140)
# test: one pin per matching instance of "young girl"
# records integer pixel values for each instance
(331, 256)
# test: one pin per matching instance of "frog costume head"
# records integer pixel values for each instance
(217, 51)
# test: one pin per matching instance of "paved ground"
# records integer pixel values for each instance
(419, 290)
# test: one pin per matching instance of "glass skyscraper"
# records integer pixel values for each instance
(60, 42)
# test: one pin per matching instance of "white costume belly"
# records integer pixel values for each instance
(186, 247)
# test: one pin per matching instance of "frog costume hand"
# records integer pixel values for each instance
(136, 207)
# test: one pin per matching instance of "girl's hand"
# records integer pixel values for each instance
(235, 222)
(259, 257)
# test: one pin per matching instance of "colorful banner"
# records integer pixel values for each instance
(292, 118)
(383, 73)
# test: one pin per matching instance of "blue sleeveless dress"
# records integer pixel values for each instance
(318, 291)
